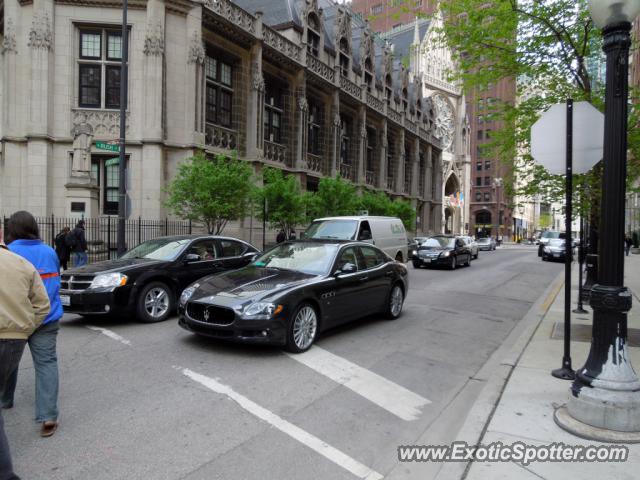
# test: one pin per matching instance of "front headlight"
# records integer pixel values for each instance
(262, 308)
(445, 254)
(413, 252)
(547, 249)
(187, 293)
(109, 280)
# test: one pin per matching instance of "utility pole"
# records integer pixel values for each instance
(122, 188)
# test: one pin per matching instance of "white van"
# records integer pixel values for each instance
(386, 233)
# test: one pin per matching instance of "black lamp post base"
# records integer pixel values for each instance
(564, 373)
(565, 421)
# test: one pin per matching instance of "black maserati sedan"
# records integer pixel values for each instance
(443, 250)
(293, 292)
(148, 279)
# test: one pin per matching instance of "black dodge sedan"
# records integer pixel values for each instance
(147, 280)
(444, 250)
(295, 291)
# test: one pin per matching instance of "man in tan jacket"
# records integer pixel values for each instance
(24, 304)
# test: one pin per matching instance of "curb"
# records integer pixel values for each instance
(496, 373)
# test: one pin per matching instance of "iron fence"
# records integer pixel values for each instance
(102, 232)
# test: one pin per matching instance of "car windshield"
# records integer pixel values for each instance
(311, 258)
(556, 242)
(551, 235)
(483, 240)
(334, 229)
(158, 249)
(438, 242)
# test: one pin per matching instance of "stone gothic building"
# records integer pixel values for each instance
(301, 85)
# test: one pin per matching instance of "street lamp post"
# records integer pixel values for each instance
(605, 396)
(497, 183)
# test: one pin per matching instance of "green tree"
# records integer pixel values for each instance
(335, 197)
(211, 191)
(547, 47)
(285, 202)
(379, 203)
(545, 220)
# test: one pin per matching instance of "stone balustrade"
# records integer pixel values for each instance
(314, 163)
(233, 13)
(320, 68)
(350, 87)
(221, 137)
(370, 177)
(347, 171)
(275, 152)
(283, 45)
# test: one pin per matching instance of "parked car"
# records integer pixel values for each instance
(555, 250)
(546, 237)
(386, 233)
(444, 250)
(486, 243)
(148, 279)
(473, 246)
(295, 291)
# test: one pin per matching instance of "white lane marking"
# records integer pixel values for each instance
(314, 443)
(110, 334)
(384, 393)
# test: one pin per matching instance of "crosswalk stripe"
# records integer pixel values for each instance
(336, 456)
(392, 397)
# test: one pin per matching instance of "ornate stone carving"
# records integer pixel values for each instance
(9, 43)
(363, 131)
(336, 120)
(82, 134)
(154, 40)
(342, 27)
(444, 123)
(303, 105)
(40, 35)
(387, 59)
(105, 124)
(196, 49)
(257, 80)
(366, 47)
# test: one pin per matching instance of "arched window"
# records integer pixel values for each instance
(368, 74)
(313, 34)
(387, 89)
(344, 57)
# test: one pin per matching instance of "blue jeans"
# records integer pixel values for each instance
(42, 344)
(10, 354)
(80, 259)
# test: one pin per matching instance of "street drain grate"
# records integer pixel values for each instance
(581, 332)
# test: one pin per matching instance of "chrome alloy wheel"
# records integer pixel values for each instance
(396, 301)
(156, 302)
(304, 327)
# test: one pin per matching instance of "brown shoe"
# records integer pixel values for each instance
(48, 428)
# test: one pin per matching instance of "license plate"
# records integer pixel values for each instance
(65, 300)
(556, 254)
(426, 260)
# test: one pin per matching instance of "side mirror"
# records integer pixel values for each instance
(347, 268)
(251, 256)
(192, 257)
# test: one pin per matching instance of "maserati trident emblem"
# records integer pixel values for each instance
(206, 314)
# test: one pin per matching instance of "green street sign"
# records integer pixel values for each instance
(108, 146)
(112, 161)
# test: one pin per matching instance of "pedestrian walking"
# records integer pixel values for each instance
(24, 304)
(24, 237)
(281, 237)
(628, 242)
(62, 250)
(77, 243)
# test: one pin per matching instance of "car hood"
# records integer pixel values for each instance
(119, 265)
(247, 284)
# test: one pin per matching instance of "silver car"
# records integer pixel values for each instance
(473, 246)
(486, 243)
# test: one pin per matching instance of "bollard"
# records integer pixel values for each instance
(592, 277)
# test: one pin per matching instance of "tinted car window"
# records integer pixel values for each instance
(158, 249)
(206, 249)
(439, 242)
(372, 257)
(348, 255)
(302, 257)
(230, 248)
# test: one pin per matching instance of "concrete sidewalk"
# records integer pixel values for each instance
(524, 411)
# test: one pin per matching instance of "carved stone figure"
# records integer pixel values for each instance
(303, 105)
(9, 44)
(40, 35)
(257, 80)
(82, 139)
(154, 40)
(196, 49)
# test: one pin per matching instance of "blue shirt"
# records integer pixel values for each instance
(46, 262)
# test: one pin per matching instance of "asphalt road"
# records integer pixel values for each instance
(156, 402)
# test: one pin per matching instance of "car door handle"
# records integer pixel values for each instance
(364, 279)
(388, 274)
